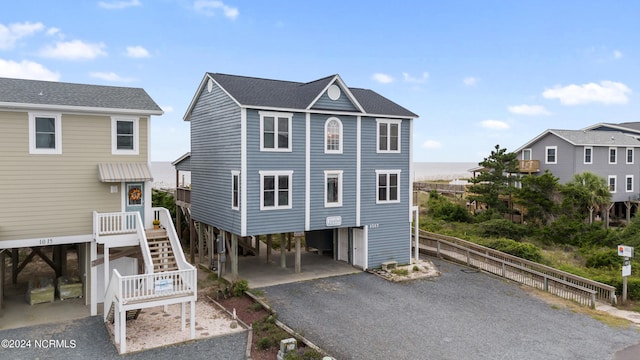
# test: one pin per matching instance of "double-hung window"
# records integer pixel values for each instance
(552, 154)
(613, 155)
(333, 136)
(388, 135)
(388, 186)
(275, 189)
(333, 188)
(45, 133)
(629, 183)
(275, 130)
(124, 136)
(612, 183)
(629, 155)
(588, 154)
(235, 190)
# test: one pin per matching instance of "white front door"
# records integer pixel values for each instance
(360, 248)
(135, 198)
(343, 244)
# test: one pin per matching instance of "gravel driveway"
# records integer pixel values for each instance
(460, 315)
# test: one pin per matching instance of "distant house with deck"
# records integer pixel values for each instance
(318, 158)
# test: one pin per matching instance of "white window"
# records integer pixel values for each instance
(333, 188)
(124, 136)
(629, 155)
(388, 186)
(613, 155)
(333, 136)
(235, 190)
(552, 154)
(612, 183)
(629, 183)
(275, 190)
(275, 130)
(45, 133)
(388, 135)
(588, 155)
(526, 154)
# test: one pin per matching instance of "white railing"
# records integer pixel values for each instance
(115, 223)
(112, 294)
(158, 285)
(164, 216)
(144, 245)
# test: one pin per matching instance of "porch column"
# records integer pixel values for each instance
(234, 255)
(192, 236)
(200, 242)
(93, 270)
(298, 265)
(105, 263)
(268, 248)
(416, 230)
(283, 252)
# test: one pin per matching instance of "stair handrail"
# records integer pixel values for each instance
(166, 220)
(144, 245)
(113, 293)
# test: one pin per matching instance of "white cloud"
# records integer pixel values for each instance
(494, 124)
(167, 108)
(420, 80)
(617, 54)
(470, 81)
(210, 7)
(607, 92)
(114, 5)
(110, 76)
(431, 144)
(53, 31)
(10, 34)
(137, 52)
(382, 78)
(74, 50)
(26, 70)
(528, 110)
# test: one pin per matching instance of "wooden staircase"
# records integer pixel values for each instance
(161, 251)
(131, 314)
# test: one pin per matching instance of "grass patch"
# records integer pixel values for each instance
(400, 272)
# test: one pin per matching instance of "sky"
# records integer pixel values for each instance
(478, 73)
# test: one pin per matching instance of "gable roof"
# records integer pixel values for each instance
(588, 138)
(268, 93)
(625, 126)
(51, 95)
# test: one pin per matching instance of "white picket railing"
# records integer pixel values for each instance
(115, 223)
(142, 287)
(164, 216)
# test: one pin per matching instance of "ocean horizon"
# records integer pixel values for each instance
(164, 174)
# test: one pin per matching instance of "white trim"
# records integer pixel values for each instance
(307, 174)
(276, 116)
(388, 122)
(57, 150)
(615, 183)
(411, 174)
(615, 155)
(546, 154)
(388, 172)
(584, 156)
(10, 106)
(633, 155)
(334, 92)
(45, 241)
(234, 174)
(326, 135)
(358, 166)
(114, 135)
(365, 266)
(288, 173)
(243, 172)
(344, 89)
(328, 173)
(626, 183)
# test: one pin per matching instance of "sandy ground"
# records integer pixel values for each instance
(155, 328)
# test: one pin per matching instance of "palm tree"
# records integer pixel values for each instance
(588, 190)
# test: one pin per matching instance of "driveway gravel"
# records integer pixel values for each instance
(463, 314)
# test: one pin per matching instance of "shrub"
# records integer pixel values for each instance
(238, 287)
(502, 228)
(265, 343)
(512, 247)
(603, 259)
(442, 208)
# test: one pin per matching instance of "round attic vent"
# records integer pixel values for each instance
(334, 92)
(210, 85)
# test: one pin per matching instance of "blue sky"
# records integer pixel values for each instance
(479, 73)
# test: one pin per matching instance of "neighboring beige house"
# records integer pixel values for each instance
(74, 173)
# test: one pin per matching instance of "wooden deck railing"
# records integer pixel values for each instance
(183, 195)
(557, 282)
(529, 166)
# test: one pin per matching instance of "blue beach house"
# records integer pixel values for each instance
(316, 159)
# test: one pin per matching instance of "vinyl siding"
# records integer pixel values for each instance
(215, 152)
(342, 104)
(389, 225)
(55, 195)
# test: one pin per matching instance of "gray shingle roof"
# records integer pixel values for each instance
(603, 138)
(59, 94)
(251, 91)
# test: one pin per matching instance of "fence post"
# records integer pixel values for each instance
(546, 284)
(468, 258)
(438, 247)
(504, 269)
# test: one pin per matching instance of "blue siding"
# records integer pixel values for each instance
(389, 226)
(321, 162)
(342, 104)
(282, 220)
(215, 152)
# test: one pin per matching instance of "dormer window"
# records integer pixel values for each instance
(333, 136)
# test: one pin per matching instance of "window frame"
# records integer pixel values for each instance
(332, 173)
(276, 116)
(524, 152)
(590, 149)
(235, 190)
(277, 175)
(57, 149)
(613, 151)
(630, 151)
(326, 136)
(546, 154)
(114, 136)
(612, 186)
(627, 183)
(388, 174)
(389, 122)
